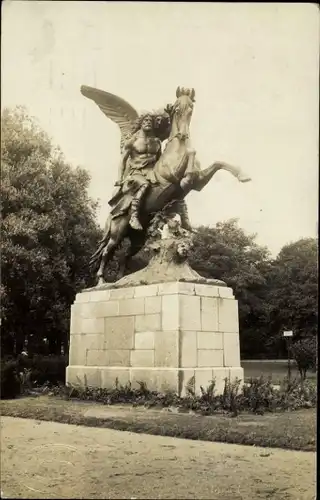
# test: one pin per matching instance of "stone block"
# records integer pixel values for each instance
(231, 350)
(210, 358)
(144, 340)
(92, 325)
(228, 316)
(170, 312)
(167, 380)
(166, 346)
(149, 322)
(219, 375)
(188, 347)
(104, 309)
(75, 321)
(119, 333)
(148, 376)
(107, 357)
(176, 287)
(79, 345)
(96, 357)
(142, 358)
(118, 357)
(83, 297)
(225, 292)
(132, 307)
(209, 340)
(161, 380)
(207, 290)
(209, 314)
(186, 378)
(93, 341)
(122, 293)
(146, 291)
(190, 318)
(152, 305)
(85, 376)
(111, 376)
(99, 295)
(77, 350)
(82, 309)
(202, 378)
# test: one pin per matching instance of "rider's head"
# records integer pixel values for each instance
(147, 123)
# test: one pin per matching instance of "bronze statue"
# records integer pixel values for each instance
(150, 179)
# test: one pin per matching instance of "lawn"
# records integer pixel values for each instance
(290, 430)
(277, 370)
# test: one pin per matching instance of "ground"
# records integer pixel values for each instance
(294, 430)
(52, 460)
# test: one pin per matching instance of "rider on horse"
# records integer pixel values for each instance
(136, 174)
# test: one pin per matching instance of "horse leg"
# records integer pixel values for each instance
(187, 180)
(106, 256)
(137, 242)
(204, 176)
(118, 228)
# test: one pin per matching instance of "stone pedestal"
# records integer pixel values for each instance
(162, 334)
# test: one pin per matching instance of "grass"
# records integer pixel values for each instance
(290, 430)
(278, 371)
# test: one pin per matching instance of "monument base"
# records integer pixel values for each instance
(167, 335)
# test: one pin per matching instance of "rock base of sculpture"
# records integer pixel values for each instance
(168, 335)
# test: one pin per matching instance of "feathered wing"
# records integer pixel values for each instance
(115, 108)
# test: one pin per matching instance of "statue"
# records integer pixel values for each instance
(150, 180)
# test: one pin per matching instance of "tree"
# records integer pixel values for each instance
(293, 292)
(48, 233)
(304, 353)
(226, 252)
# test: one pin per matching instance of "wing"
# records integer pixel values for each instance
(115, 108)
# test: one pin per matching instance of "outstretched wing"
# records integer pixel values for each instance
(115, 108)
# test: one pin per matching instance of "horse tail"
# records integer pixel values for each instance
(102, 243)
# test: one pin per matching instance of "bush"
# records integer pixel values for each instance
(21, 374)
(45, 369)
(10, 382)
(304, 352)
(256, 397)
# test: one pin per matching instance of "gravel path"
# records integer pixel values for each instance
(52, 460)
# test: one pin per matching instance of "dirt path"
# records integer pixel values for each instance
(51, 460)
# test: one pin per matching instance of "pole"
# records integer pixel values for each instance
(289, 360)
(288, 335)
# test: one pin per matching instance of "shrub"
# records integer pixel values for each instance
(10, 383)
(304, 352)
(21, 374)
(44, 369)
(256, 397)
(259, 395)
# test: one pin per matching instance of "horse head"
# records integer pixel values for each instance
(181, 113)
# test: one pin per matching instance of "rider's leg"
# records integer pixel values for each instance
(135, 206)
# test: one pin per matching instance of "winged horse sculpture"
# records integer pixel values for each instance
(175, 171)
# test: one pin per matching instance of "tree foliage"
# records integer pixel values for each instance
(304, 353)
(228, 253)
(48, 231)
(293, 292)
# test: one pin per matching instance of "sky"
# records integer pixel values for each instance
(255, 70)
